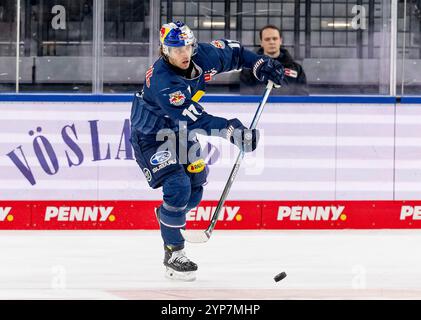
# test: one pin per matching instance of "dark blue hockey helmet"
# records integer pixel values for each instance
(176, 34)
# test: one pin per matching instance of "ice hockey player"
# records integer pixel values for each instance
(168, 108)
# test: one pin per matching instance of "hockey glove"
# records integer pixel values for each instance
(243, 138)
(266, 69)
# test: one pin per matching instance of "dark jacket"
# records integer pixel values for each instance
(297, 85)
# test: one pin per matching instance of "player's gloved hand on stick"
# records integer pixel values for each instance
(266, 69)
(244, 138)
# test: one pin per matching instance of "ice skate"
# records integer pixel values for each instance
(178, 266)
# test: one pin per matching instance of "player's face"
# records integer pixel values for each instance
(180, 56)
(271, 42)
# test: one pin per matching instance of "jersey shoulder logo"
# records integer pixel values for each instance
(148, 76)
(218, 44)
(208, 75)
(177, 98)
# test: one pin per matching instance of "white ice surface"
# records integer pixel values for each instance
(334, 264)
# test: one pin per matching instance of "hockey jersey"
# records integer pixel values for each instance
(169, 100)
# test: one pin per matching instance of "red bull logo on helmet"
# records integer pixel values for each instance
(183, 36)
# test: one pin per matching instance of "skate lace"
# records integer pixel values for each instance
(179, 256)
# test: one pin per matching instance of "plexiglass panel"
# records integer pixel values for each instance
(8, 24)
(342, 46)
(57, 40)
(409, 48)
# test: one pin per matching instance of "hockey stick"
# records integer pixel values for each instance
(199, 236)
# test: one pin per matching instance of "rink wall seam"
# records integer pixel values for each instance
(209, 98)
(235, 215)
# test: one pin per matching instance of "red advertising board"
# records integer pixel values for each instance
(63, 214)
(341, 214)
(94, 215)
(234, 215)
(15, 215)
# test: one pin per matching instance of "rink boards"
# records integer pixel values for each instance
(33, 215)
(77, 154)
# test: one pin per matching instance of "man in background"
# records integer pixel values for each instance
(271, 45)
(418, 9)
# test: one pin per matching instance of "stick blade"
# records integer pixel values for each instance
(195, 236)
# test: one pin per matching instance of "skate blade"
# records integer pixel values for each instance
(180, 276)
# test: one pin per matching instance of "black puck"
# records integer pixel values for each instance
(280, 276)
